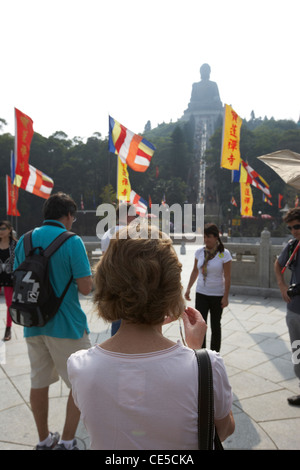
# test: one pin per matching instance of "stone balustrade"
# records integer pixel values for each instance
(252, 266)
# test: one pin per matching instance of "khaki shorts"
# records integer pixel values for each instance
(48, 358)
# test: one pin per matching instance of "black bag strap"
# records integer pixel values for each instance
(57, 242)
(54, 245)
(28, 243)
(208, 438)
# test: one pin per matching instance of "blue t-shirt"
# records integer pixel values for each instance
(69, 260)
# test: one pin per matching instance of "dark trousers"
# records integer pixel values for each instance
(212, 304)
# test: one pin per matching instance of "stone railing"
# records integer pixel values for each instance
(252, 266)
(91, 248)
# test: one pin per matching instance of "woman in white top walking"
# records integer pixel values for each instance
(212, 267)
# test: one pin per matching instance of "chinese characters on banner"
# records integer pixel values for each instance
(124, 186)
(230, 157)
(23, 137)
(12, 193)
(246, 199)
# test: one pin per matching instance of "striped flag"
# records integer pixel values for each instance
(133, 149)
(267, 200)
(233, 201)
(257, 180)
(246, 174)
(139, 203)
(35, 182)
(241, 175)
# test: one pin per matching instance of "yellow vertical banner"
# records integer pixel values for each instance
(231, 156)
(246, 199)
(124, 187)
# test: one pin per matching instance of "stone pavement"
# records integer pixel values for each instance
(256, 351)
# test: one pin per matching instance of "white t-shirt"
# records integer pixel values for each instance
(215, 281)
(143, 401)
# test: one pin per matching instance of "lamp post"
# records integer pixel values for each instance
(259, 222)
(229, 222)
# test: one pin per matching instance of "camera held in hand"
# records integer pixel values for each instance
(293, 290)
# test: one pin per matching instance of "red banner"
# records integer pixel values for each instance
(12, 193)
(23, 137)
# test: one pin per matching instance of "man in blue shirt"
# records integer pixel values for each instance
(67, 332)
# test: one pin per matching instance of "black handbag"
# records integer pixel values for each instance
(208, 438)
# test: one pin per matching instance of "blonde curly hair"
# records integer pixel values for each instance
(138, 279)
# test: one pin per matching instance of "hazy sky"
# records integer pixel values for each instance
(68, 64)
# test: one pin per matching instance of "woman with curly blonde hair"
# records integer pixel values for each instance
(139, 389)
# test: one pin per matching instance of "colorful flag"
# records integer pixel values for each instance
(241, 175)
(233, 202)
(124, 187)
(139, 203)
(35, 182)
(12, 193)
(246, 199)
(280, 197)
(133, 149)
(257, 180)
(266, 199)
(23, 137)
(230, 157)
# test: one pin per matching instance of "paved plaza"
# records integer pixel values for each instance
(256, 351)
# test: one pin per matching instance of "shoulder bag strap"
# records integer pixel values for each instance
(205, 401)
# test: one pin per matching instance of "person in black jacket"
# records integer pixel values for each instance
(7, 254)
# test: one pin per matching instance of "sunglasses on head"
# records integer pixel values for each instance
(295, 227)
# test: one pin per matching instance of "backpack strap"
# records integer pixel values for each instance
(54, 245)
(27, 243)
(57, 242)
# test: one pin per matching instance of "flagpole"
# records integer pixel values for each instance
(117, 192)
